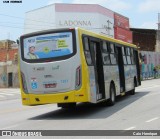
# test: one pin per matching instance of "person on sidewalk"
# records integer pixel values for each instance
(155, 72)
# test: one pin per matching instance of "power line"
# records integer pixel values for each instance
(20, 27)
(26, 18)
(42, 28)
(91, 28)
(25, 24)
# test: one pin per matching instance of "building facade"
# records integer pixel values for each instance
(145, 39)
(8, 64)
(89, 16)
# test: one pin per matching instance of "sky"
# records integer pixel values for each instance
(141, 13)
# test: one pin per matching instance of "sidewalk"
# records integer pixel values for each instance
(150, 78)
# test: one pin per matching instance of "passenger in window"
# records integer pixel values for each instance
(31, 53)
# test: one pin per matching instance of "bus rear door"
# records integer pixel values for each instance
(95, 65)
(121, 69)
(96, 55)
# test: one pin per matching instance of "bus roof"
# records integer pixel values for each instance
(107, 38)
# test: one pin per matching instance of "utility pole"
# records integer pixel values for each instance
(109, 28)
(158, 35)
(7, 57)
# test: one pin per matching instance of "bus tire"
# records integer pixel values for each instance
(112, 98)
(132, 92)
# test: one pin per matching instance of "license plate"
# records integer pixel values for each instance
(50, 85)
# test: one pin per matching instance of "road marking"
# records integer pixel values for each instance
(15, 93)
(1, 96)
(12, 126)
(130, 128)
(7, 94)
(14, 110)
(153, 119)
(9, 91)
(23, 108)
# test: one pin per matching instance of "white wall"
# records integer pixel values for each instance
(40, 19)
(49, 18)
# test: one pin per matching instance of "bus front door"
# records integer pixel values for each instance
(98, 67)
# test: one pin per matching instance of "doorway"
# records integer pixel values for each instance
(10, 79)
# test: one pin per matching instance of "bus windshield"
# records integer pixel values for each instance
(47, 46)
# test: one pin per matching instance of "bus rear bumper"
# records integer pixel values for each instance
(67, 97)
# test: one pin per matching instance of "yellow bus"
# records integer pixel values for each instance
(69, 66)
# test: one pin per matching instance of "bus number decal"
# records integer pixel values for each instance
(64, 81)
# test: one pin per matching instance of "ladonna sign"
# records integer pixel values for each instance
(75, 23)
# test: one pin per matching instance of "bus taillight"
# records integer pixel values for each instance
(24, 84)
(78, 77)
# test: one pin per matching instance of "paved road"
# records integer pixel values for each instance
(141, 111)
(8, 94)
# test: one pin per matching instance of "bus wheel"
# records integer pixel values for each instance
(112, 98)
(132, 92)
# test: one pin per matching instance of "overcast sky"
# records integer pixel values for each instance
(142, 13)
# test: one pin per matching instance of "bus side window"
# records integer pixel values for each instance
(86, 44)
(112, 54)
(123, 51)
(112, 47)
(105, 54)
(128, 56)
(128, 50)
(87, 51)
(124, 55)
(104, 47)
